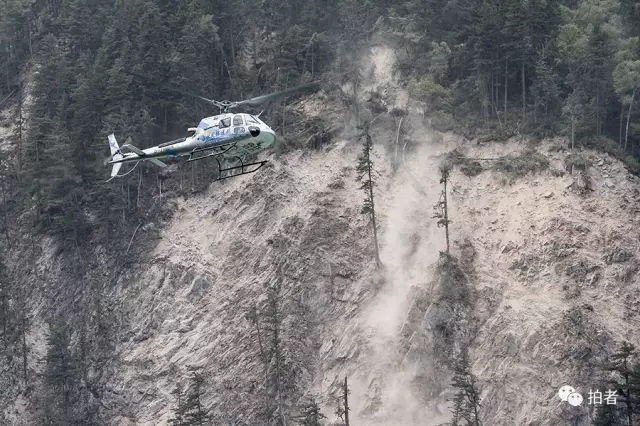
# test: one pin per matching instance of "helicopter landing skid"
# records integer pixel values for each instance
(241, 167)
(216, 155)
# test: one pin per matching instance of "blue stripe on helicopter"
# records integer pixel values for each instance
(223, 137)
(172, 153)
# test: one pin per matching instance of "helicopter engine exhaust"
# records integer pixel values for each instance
(255, 131)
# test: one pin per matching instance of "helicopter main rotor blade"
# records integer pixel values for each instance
(281, 94)
(227, 104)
(174, 88)
(193, 95)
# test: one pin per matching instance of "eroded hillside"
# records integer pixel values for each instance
(552, 273)
(549, 300)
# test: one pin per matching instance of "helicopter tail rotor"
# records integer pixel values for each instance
(116, 167)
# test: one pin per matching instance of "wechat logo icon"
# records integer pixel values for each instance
(568, 394)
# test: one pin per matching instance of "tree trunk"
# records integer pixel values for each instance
(446, 214)
(476, 417)
(486, 109)
(6, 213)
(573, 139)
(506, 80)
(373, 210)
(4, 318)
(24, 348)
(346, 402)
(165, 121)
(20, 135)
(493, 84)
(284, 117)
(620, 125)
(598, 111)
(395, 161)
(263, 354)
(626, 132)
(139, 187)
(233, 51)
(279, 378)
(524, 98)
(628, 396)
(28, 26)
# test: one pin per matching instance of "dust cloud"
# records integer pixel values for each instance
(389, 387)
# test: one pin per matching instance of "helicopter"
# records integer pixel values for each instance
(226, 136)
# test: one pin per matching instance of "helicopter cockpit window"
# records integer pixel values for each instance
(237, 120)
(225, 122)
(238, 130)
(251, 120)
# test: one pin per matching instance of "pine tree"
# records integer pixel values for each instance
(466, 402)
(366, 176)
(544, 90)
(627, 83)
(274, 317)
(623, 364)
(311, 414)
(179, 409)
(342, 409)
(189, 409)
(60, 375)
(195, 414)
(608, 415)
(441, 208)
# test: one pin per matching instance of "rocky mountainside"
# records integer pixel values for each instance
(549, 262)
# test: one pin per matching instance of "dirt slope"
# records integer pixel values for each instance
(554, 276)
(548, 304)
(537, 246)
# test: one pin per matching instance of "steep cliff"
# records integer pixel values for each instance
(551, 273)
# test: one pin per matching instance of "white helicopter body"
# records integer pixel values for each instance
(224, 136)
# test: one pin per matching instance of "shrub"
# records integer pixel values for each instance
(529, 161)
(578, 161)
(467, 166)
(434, 95)
(612, 148)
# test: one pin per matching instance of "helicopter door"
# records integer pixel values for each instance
(238, 123)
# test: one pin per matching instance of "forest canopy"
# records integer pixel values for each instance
(536, 66)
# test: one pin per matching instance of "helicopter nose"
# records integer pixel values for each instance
(255, 131)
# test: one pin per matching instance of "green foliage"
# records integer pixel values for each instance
(610, 147)
(61, 376)
(528, 161)
(540, 66)
(578, 162)
(190, 410)
(433, 94)
(624, 369)
(452, 281)
(466, 402)
(608, 415)
(366, 175)
(467, 166)
(311, 415)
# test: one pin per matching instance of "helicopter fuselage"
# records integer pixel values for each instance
(227, 135)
